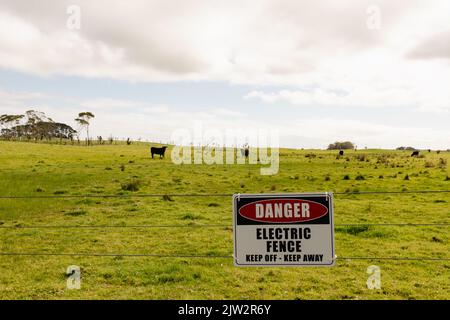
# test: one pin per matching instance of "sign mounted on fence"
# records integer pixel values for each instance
(283, 229)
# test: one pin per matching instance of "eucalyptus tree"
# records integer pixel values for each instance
(8, 121)
(83, 121)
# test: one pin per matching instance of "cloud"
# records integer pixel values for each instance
(10, 101)
(122, 106)
(359, 97)
(16, 96)
(158, 122)
(422, 88)
(160, 109)
(228, 113)
(251, 42)
(109, 104)
(293, 43)
(309, 132)
(305, 53)
(435, 47)
(322, 131)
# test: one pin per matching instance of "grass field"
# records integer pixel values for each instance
(29, 169)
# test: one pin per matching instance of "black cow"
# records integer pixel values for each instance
(415, 154)
(246, 152)
(160, 151)
(341, 152)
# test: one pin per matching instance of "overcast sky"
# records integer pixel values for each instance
(373, 72)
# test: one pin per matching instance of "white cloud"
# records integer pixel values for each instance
(10, 101)
(122, 106)
(169, 40)
(160, 109)
(313, 132)
(308, 132)
(361, 96)
(436, 46)
(109, 104)
(319, 53)
(228, 113)
(158, 122)
(15, 96)
(296, 43)
(373, 79)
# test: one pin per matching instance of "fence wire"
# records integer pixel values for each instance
(186, 256)
(206, 256)
(153, 195)
(212, 226)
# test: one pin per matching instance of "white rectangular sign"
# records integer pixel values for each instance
(283, 229)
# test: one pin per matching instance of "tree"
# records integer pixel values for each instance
(83, 121)
(341, 145)
(40, 130)
(406, 148)
(33, 124)
(8, 120)
(38, 124)
(7, 123)
(34, 117)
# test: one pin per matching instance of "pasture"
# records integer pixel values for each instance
(29, 169)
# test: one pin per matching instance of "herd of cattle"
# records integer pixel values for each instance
(246, 150)
(415, 153)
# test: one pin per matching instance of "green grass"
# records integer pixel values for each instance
(29, 169)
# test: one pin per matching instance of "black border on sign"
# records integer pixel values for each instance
(281, 195)
(292, 222)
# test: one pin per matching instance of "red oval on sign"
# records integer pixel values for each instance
(283, 210)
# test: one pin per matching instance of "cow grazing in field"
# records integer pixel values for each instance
(439, 151)
(245, 152)
(160, 151)
(341, 152)
(415, 154)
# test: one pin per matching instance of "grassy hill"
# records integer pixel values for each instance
(29, 169)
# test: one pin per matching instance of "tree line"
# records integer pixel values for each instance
(37, 126)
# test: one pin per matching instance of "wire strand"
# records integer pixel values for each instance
(118, 226)
(395, 258)
(155, 255)
(204, 194)
(205, 256)
(214, 226)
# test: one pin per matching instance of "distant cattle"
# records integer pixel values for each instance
(415, 154)
(245, 152)
(429, 150)
(439, 151)
(160, 151)
(341, 152)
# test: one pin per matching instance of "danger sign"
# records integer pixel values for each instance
(283, 229)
